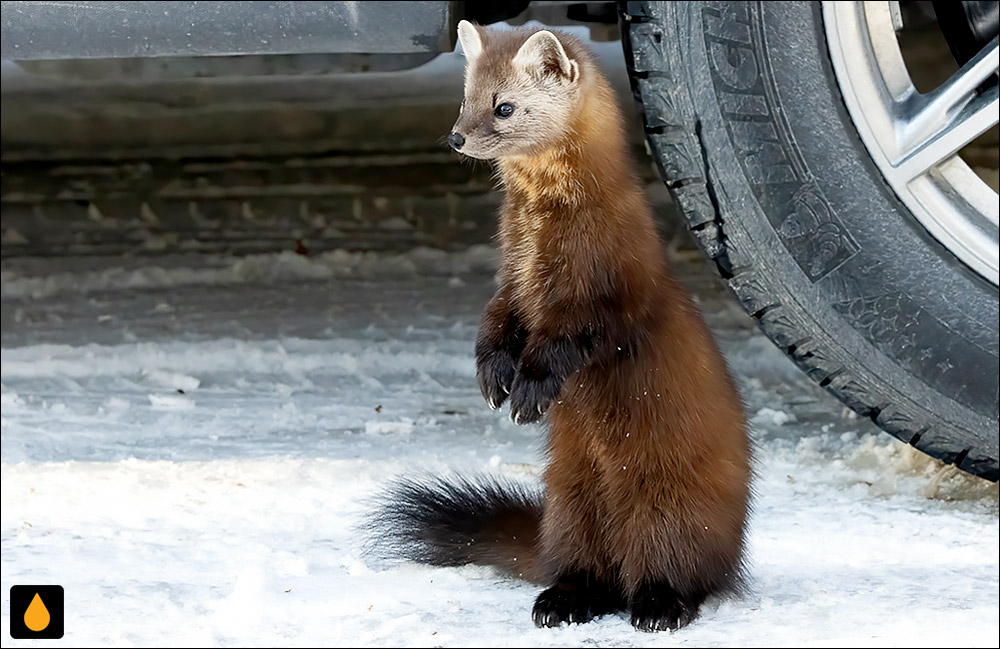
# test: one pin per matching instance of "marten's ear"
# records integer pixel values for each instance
(472, 42)
(543, 54)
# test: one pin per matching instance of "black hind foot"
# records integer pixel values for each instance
(576, 598)
(658, 607)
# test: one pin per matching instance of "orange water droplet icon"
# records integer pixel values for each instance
(37, 616)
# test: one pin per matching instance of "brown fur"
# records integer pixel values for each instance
(647, 485)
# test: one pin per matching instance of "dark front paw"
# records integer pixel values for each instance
(530, 398)
(660, 608)
(495, 371)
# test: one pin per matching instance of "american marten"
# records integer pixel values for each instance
(647, 484)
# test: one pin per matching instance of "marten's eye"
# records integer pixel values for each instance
(503, 111)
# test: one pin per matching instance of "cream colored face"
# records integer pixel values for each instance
(517, 101)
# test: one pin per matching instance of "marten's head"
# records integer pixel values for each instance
(521, 89)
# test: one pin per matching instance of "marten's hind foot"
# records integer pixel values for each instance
(574, 599)
(658, 607)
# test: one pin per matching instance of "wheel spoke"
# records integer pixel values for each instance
(914, 139)
(936, 125)
(967, 125)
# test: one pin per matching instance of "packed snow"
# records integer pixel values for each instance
(189, 444)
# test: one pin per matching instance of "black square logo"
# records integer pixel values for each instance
(36, 612)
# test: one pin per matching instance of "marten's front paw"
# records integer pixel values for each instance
(530, 398)
(495, 371)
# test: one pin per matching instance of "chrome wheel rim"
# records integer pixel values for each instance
(914, 138)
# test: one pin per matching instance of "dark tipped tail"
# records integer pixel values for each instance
(453, 522)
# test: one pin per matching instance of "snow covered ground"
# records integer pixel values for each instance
(189, 442)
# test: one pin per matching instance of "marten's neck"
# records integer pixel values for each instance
(589, 160)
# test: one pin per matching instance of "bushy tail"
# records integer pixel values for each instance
(453, 522)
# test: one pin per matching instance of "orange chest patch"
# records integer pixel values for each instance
(542, 229)
(547, 258)
(523, 235)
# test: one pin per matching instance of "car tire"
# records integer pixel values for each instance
(747, 125)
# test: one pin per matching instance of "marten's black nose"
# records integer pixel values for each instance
(456, 141)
